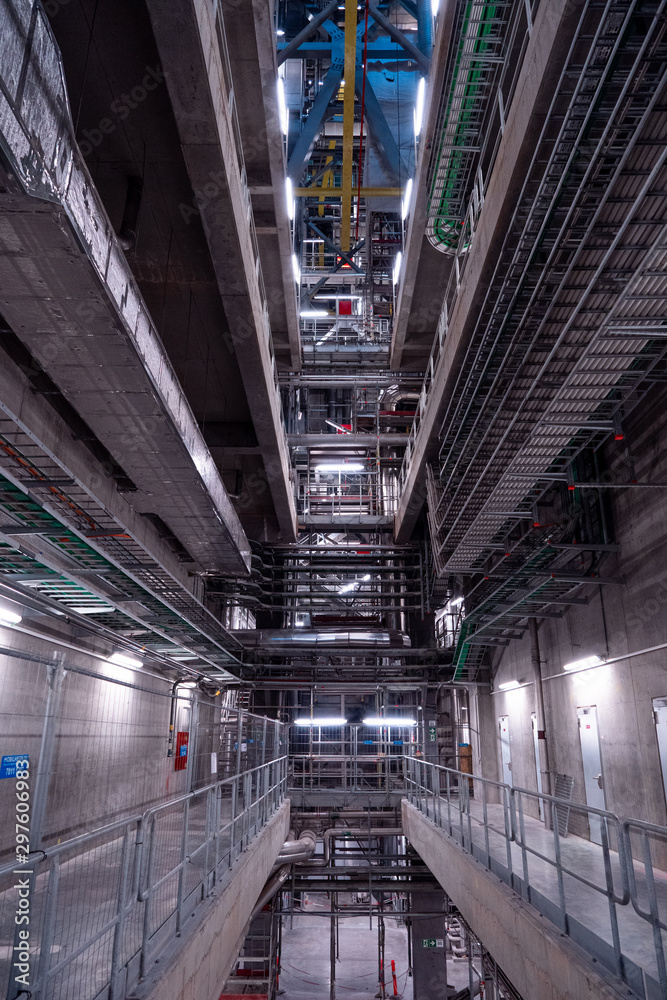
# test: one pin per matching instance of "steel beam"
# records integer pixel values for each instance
(290, 49)
(380, 131)
(399, 38)
(348, 120)
(304, 144)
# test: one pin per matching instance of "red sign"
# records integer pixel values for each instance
(181, 758)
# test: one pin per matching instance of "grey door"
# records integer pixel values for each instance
(536, 746)
(505, 751)
(660, 717)
(592, 762)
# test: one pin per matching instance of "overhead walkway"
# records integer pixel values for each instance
(589, 915)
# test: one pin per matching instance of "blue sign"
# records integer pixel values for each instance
(8, 765)
(183, 750)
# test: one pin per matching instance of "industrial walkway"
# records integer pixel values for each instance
(574, 898)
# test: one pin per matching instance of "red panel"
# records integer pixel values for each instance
(181, 758)
(345, 307)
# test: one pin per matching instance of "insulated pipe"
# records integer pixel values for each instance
(297, 850)
(425, 27)
(346, 814)
(270, 889)
(291, 851)
(543, 746)
(362, 833)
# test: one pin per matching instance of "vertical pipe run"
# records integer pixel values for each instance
(348, 121)
(543, 762)
(424, 27)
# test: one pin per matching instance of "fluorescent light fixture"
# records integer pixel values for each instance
(419, 105)
(397, 267)
(509, 685)
(405, 205)
(339, 467)
(188, 685)
(388, 720)
(314, 313)
(289, 196)
(280, 32)
(8, 617)
(296, 270)
(282, 106)
(125, 660)
(456, 602)
(434, 7)
(324, 721)
(92, 609)
(588, 661)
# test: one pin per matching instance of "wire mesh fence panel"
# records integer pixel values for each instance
(155, 771)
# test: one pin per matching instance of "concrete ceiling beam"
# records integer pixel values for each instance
(197, 62)
(69, 295)
(545, 56)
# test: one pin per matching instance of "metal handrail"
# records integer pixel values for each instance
(255, 795)
(424, 787)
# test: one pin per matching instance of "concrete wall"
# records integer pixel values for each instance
(207, 950)
(540, 962)
(617, 620)
(109, 752)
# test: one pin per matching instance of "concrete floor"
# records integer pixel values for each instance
(305, 960)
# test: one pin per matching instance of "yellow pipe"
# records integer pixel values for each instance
(348, 120)
(366, 192)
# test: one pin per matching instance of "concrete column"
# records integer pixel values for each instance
(429, 963)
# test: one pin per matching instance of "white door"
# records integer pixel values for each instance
(590, 756)
(536, 745)
(660, 717)
(505, 752)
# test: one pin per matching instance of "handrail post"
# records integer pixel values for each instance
(143, 959)
(121, 908)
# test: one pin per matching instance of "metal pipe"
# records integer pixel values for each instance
(362, 833)
(543, 746)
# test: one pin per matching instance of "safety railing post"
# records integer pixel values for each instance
(181, 868)
(613, 916)
(217, 795)
(47, 931)
(115, 990)
(148, 896)
(654, 911)
(208, 833)
(508, 813)
(232, 827)
(559, 870)
(486, 827)
(525, 892)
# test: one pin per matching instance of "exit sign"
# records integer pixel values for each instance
(433, 942)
